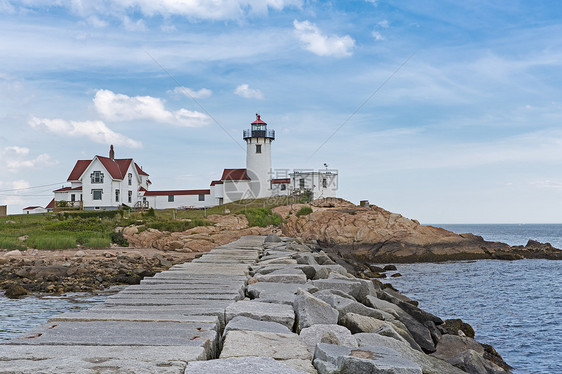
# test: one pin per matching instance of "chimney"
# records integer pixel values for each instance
(111, 153)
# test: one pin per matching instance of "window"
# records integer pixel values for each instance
(301, 183)
(170, 198)
(130, 196)
(96, 177)
(324, 183)
(283, 187)
(130, 179)
(117, 192)
(72, 197)
(258, 148)
(97, 194)
(201, 197)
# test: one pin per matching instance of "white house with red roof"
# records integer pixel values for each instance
(103, 183)
(34, 209)
(106, 183)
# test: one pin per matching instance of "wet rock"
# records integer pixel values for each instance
(14, 291)
(389, 267)
(396, 275)
(453, 326)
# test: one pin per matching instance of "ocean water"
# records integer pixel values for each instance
(516, 306)
(19, 315)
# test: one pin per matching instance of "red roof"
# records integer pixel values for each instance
(78, 170)
(234, 175)
(51, 205)
(281, 181)
(142, 189)
(259, 121)
(177, 192)
(139, 170)
(117, 168)
(68, 189)
(31, 207)
(216, 182)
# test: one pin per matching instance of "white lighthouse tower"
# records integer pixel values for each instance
(258, 157)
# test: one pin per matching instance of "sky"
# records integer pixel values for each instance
(441, 110)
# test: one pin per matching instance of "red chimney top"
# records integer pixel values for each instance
(111, 152)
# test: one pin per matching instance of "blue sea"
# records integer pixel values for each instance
(514, 305)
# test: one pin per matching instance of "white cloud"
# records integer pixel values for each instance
(200, 94)
(14, 158)
(323, 45)
(245, 91)
(131, 25)
(193, 9)
(377, 35)
(6, 7)
(96, 131)
(119, 107)
(96, 22)
(384, 24)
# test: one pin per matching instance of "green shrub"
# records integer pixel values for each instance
(262, 217)
(150, 212)
(97, 242)
(118, 238)
(50, 241)
(305, 210)
(92, 214)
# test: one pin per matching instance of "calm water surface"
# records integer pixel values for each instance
(514, 305)
(20, 315)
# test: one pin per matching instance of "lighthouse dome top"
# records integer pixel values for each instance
(258, 121)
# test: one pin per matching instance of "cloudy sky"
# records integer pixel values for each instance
(446, 111)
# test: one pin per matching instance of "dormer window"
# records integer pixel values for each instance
(96, 177)
(130, 179)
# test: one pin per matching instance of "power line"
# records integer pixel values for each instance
(186, 92)
(29, 188)
(363, 103)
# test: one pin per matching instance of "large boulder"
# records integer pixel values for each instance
(310, 310)
(429, 364)
(337, 359)
(329, 334)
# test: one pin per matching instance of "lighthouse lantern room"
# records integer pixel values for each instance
(258, 157)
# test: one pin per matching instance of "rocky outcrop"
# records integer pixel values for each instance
(376, 235)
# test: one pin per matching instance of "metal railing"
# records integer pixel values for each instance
(259, 134)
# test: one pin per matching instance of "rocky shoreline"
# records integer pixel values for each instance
(283, 306)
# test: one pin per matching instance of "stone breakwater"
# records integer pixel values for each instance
(259, 304)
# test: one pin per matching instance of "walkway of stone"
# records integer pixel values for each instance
(257, 305)
(159, 326)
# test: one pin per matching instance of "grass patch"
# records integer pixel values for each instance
(50, 241)
(262, 217)
(97, 242)
(11, 244)
(305, 210)
(175, 226)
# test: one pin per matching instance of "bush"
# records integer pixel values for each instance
(150, 212)
(118, 238)
(305, 210)
(92, 214)
(97, 242)
(262, 217)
